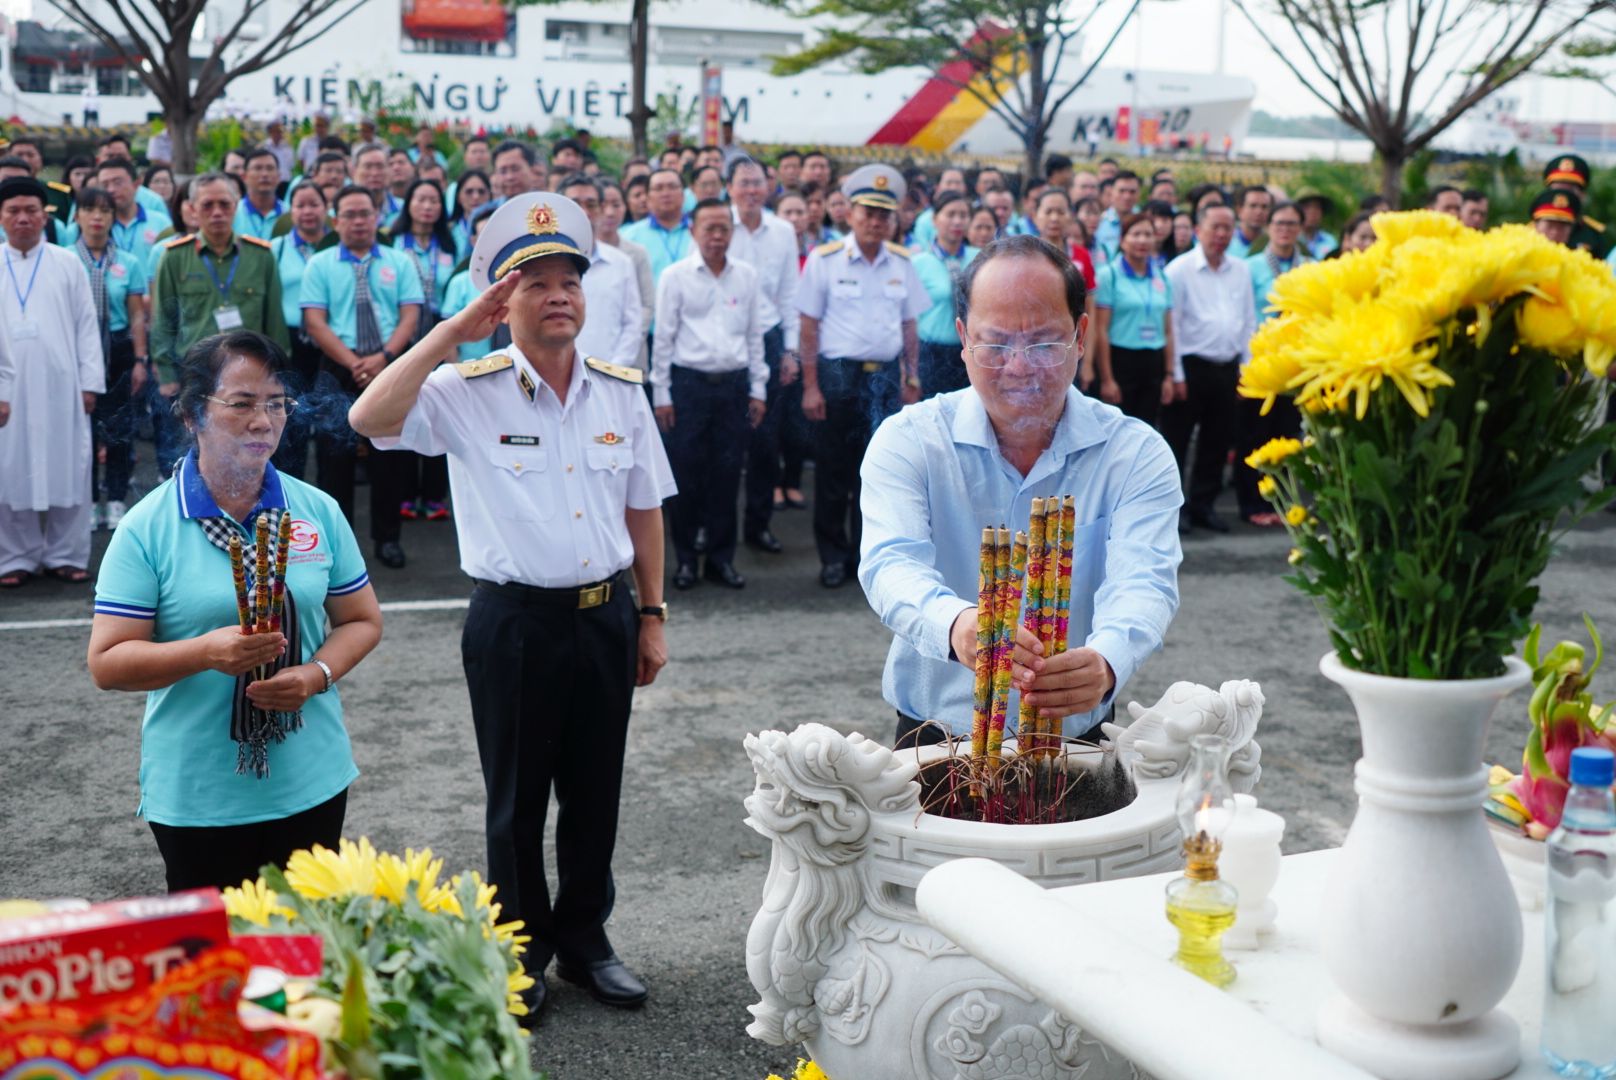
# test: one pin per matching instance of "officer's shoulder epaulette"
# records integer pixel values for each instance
(470, 369)
(831, 248)
(57, 185)
(178, 240)
(1592, 224)
(899, 250)
(616, 371)
(260, 241)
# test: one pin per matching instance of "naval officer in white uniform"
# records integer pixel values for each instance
(558, 476)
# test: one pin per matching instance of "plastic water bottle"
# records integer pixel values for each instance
(1579, 979)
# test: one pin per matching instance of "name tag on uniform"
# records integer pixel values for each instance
(24, 329)
(519, 440)
(847, 290)
(227, 317)
(895, 290)
(1147, 333)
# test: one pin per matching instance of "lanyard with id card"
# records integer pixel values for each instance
(25, 329)
(226, 316)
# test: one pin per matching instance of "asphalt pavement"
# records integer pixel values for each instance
(779, 653)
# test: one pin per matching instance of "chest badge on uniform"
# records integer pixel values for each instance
(611, 438)
(519, 440)
(526, 384)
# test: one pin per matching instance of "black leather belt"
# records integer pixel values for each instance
(717, 378)
(579, 596)
(868, 367)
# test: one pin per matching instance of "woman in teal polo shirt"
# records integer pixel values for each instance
(311, 229)
(941, 367)
(1133, 336)
(224, 796)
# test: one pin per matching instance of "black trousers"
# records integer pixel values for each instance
(942, 369)
(763, 445)
(705, 447)
(194, 857)
(551, 689)
(1210, 404)
(1139, 374)
(292, 456)
(856, 401)
(796, 437)
(114, 421)
(337, 453)
(1284, 420)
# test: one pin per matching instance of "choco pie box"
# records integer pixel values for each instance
(96, 954)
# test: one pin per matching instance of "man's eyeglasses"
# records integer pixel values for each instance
(1044, 354)
(274, 408)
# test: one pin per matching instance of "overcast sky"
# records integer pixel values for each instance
(1180, 35)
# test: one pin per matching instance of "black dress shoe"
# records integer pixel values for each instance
(535, 998)
(700, 544)
(765, 541)
(685, 577)
(1209, 519)
(607, 981)
(833, 575)
(723, 574)
(390, 554)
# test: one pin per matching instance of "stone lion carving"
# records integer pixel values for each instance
(1159, 736)
(816, 792)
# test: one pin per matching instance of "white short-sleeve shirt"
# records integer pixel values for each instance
(861, 305)
(540, 486)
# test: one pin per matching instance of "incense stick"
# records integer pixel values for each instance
(261, 565)
(283, 541)
(1063, 602)
(238, 571)
(986, 616)
(1010, 600)
(1027, 723)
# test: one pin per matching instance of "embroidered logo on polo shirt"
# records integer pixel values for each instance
(305, 543)
(387, 275)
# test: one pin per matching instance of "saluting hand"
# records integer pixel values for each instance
(230, 651)
(482, 316)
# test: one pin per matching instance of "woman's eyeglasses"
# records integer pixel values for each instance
(274, 408)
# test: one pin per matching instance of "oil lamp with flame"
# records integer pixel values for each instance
(1200, 904)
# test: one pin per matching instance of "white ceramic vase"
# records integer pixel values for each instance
(1420, 930)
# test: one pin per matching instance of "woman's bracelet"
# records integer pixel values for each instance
(329, 678)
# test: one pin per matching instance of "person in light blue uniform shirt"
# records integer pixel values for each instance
(1133, 337)
(938, 472)
(259, 209)
(665, 232)
(461, 290)
(311, 230)
(939, 265)
(134, 228)
(236, 769)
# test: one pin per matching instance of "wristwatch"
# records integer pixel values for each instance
(660, 611)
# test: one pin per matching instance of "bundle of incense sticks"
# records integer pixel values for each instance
(261, 603)
(1037, 568)
(998, 604)
(277, 601)
(238, 570)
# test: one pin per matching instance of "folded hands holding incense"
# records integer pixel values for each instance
(1067, 683)
(287, 689)
(232, 652)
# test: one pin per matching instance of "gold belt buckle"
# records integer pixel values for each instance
(871, 366)
(595, 595)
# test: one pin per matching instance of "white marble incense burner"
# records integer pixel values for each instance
(840, 956)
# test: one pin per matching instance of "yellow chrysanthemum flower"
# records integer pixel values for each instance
(1351, 355)
(255, 902)
(1276, 350)
(806, 1070)
(1316, 288)
(1295, 557)
(1296, 515)
(1395, 227)
(321, 873)
(1266, 487)
(1273, 452)
(518, 981)
(394, 875)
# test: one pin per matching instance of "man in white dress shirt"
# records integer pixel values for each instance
(51, 371)
(769, 246)
(611, 288)
(558, 480)
(1214, 315)
(708, 382)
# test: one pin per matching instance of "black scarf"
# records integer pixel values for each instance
(252, 728)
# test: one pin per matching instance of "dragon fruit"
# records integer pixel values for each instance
(1564, 717)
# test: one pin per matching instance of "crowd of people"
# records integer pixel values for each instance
(345, 252)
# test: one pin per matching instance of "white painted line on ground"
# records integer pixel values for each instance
(392, 605)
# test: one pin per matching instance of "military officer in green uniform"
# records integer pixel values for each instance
(1555, 213)
(210, 283)
(1568, 172)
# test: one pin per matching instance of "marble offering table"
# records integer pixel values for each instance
(1117, 984)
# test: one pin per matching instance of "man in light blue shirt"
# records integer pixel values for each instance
(938, 472)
